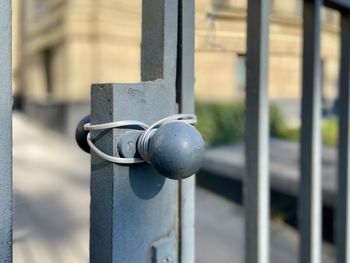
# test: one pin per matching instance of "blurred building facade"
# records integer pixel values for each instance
(62, 46)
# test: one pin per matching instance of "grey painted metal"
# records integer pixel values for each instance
(338, 4)
(127, 145)
(256, 185)
(159, 42)
(185, 100)
(6, 132)
(81, 134)
(176, 150)
(310, 155)
(164, 250)
(343, 205)
(134, 209)
(131, 207)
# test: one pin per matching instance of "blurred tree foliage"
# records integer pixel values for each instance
(329, 131)
(223, 123)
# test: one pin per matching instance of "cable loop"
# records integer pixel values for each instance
(142, 142)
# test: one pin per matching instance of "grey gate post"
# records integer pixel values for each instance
(6, 132)
(137, 214)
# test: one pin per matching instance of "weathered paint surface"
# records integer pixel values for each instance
(6, 132)
(310, 148)
(256, 184)
(185, 100)
(135, 212)
(343, 205)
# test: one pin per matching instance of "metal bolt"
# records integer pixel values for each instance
(127, 144)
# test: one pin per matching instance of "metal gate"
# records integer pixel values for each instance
(6, 132)
(138, 215)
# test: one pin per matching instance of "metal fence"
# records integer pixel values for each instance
(6, 132)
(164, 221)
(257, 177)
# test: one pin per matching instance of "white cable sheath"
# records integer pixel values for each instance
(143, 141)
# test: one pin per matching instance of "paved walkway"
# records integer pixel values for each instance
(51, 220)
(228, 161)
(51, 183)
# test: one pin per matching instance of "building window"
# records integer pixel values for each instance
(287, 8)
(220, 4)
(227, 5)
(299, 8)
(41, 9)
(47, 57)
(240, 71)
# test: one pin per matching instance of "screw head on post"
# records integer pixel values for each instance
(176, 150)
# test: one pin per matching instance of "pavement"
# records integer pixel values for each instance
(229, 161)
(51, 207)
(51, 196)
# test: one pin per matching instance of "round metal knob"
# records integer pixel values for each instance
(81, 134)
(176, 150)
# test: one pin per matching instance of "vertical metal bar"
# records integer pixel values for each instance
(185, 99)
(159, 46)
(343, 206)
(256, 192)
(185, 71)
(134, 210)
(310, 155)
(6, 131)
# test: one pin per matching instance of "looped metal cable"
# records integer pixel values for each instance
(143, 141)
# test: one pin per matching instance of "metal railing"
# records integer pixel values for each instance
(257, 136)
(257, 178)
(6, 132)
(343, 209)
(256, 194)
